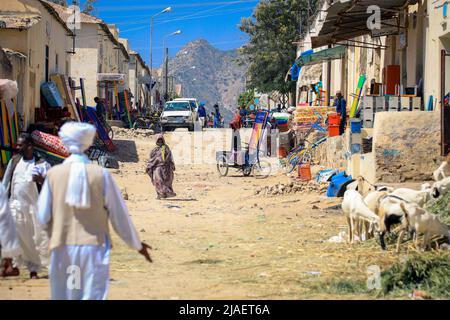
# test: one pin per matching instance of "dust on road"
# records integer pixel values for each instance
(218, 240)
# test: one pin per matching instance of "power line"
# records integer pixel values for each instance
(191, 18)
(187, 5)
(225, 12)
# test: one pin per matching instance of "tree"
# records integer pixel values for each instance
(270, 52)
(246, 99)
(89, 6)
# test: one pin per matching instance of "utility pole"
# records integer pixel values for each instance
(166, 63)
(168, 9)
(166, 75)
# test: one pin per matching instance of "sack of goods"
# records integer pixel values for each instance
(52, 95)
(49, 143)
(8, 89)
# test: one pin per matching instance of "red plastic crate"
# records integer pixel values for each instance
(334, 119)
(333, 130)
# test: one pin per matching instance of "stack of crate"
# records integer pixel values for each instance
(371, 105)
(355, 138)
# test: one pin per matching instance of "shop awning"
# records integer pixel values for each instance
(347, 19)
(320, 56)
(311, 74)
(112, 77)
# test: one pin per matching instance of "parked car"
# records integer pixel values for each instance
(192, 101)
(180, 113)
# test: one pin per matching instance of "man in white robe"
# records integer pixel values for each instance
(23, 178)
(9, 242)
(76, 203)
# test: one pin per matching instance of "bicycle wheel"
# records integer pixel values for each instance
(262, 169)
(222, 166)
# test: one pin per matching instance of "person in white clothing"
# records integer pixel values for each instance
(77, 201)
(23, 179)
(9, 242)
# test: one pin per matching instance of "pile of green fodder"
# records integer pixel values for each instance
(442, 208)
(428, 272)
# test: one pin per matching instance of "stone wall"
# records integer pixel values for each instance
(331, 154)
(406, 146)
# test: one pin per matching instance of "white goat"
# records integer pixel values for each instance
(356, 212)
(423, 222)
(443, 171)
(390, 213)
(419, 197)
(440, 187)
(372, 202)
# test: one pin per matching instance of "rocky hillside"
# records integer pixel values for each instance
(210, 75)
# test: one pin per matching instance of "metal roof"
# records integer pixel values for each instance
(22, 21)
(346, 19)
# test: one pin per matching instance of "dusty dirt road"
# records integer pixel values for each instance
(217, 240)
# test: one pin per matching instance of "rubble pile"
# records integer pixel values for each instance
(292, 187)
(125, 133)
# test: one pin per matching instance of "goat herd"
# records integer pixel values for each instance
(384, 207)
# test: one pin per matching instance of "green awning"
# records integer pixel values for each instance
(320, 56)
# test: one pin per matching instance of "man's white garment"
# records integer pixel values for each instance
(24, 197)
(81, 272)
(8, 236)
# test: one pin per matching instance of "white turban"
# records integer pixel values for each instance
(77, 138)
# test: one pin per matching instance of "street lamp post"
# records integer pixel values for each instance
(168, 9)
(166, 63)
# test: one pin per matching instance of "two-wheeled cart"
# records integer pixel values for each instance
(249, 159)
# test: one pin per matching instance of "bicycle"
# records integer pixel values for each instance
(300, 154)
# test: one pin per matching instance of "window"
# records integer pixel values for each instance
(57, 63)
(177, 106)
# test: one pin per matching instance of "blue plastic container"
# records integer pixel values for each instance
(355, 125)
(51, 95)
(338, 182)
(355, 148)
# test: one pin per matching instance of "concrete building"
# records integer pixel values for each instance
(38, 41)
(97, 51)
(412, 36)
(139, 80)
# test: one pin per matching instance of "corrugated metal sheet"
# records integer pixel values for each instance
(348, 19)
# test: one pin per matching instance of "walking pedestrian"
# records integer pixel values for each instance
(160, 168)
(77, 202)
(23, 179)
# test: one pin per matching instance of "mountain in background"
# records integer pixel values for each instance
(209, 75)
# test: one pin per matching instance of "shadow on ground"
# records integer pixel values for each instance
(126, 151)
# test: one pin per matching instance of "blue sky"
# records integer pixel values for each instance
(215, 20)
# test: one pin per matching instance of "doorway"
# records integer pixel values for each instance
(445, 102)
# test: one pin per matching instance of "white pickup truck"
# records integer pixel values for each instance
(179, 114)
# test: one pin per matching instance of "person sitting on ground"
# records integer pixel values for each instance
(160, 168)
